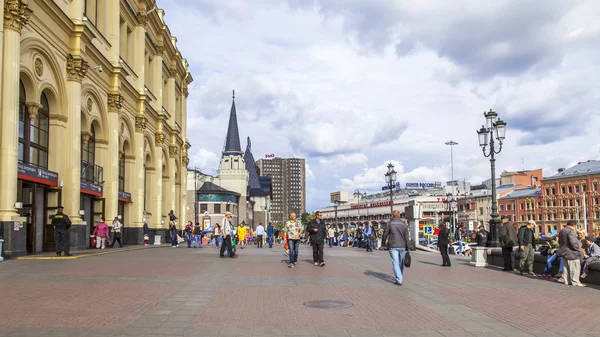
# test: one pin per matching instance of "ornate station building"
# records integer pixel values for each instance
(93, 105)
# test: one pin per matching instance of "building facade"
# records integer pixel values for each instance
(523, 205)
(289, 186)
(572, 194)
(93, 118)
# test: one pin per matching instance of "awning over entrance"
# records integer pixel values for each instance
(37, 175)
(125, 196)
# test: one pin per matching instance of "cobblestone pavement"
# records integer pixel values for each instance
(193, 292)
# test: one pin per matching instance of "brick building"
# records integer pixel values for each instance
(567, 193)
(522, 205)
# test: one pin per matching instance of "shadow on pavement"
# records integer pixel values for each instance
(431, 263)
(381, 276)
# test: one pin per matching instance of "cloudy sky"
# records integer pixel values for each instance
(354, 84)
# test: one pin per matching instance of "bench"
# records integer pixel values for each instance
(494, 257)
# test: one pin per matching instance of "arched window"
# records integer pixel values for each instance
(33, 134)
(88, 157)
(122, 171)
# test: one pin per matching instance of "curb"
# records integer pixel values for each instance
(426, 249)
(30, 257)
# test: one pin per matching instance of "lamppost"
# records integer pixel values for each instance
(390, 178)
(452, 144)
(359, 193)
(493, 130)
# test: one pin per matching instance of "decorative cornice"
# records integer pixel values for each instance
(16, 14)
(159, 138)
(142, 18)
(184, 149)
(160, 49)
(115, 102)
(32, 109)
(173, 151)
(76, 68)
(59, 117)
(185, 161)
(140, 123)
(129, 157)
(186, 91)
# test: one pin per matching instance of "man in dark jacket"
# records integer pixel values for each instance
(527, 247)
(61, 224)
(570, 250)
(443, 242)
(482, 236)
(508, 239)
(318, 232)
(396, 238)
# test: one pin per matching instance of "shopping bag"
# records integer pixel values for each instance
(407, 259)
(180, 239)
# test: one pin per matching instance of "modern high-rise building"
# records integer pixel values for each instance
(289, 186)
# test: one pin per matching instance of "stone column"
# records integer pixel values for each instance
(183, 178)
(137, 193)
(76, 70)
(158, 78)
(139, 51)
(171, 98)
(157, 182)
(16, 16)
(111, 169)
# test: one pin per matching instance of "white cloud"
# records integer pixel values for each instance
(205, 160)
(309, 173)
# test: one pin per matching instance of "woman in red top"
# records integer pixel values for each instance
(101, 233)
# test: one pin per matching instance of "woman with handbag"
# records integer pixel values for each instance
(116, 232)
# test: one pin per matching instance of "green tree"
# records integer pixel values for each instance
(305, 218)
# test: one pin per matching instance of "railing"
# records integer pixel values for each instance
(92, 173)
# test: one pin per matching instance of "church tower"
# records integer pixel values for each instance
(232, 173)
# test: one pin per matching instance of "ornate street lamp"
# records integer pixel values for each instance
(359, 193)
(390, 178)
(494, 130)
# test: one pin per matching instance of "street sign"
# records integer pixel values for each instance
(427, 230)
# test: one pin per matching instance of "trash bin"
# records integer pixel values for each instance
(1, 244)
(92, 241)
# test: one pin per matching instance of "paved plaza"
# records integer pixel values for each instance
(192, 292)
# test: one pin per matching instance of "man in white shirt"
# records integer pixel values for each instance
(260, 233)
(227, 228)
(117, 232)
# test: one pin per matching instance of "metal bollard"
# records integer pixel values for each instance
(1, 244)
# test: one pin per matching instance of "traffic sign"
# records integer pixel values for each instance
(427, 230)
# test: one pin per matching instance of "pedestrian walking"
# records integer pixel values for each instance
(260, 233)
(101, 232)
(331, 236)
(396, 237)
(174, 241)
(317, 231)
(270, 235)
(197, 235)
(369, 236)
(218, 233)
(527, 248)
(146, 234)
(592, 254)
(61, 224)
(458, 235)
(570, 250)
(189, 228)
(508, 239)
(116, 229)
(442, 243)
(227, 233)
(241, 233)
(293, 230)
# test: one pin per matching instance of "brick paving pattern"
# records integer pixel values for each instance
(270, 307)
(192, 292)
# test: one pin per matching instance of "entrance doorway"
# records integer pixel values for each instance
(121, 212)
(53, 198)
(94, 210)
